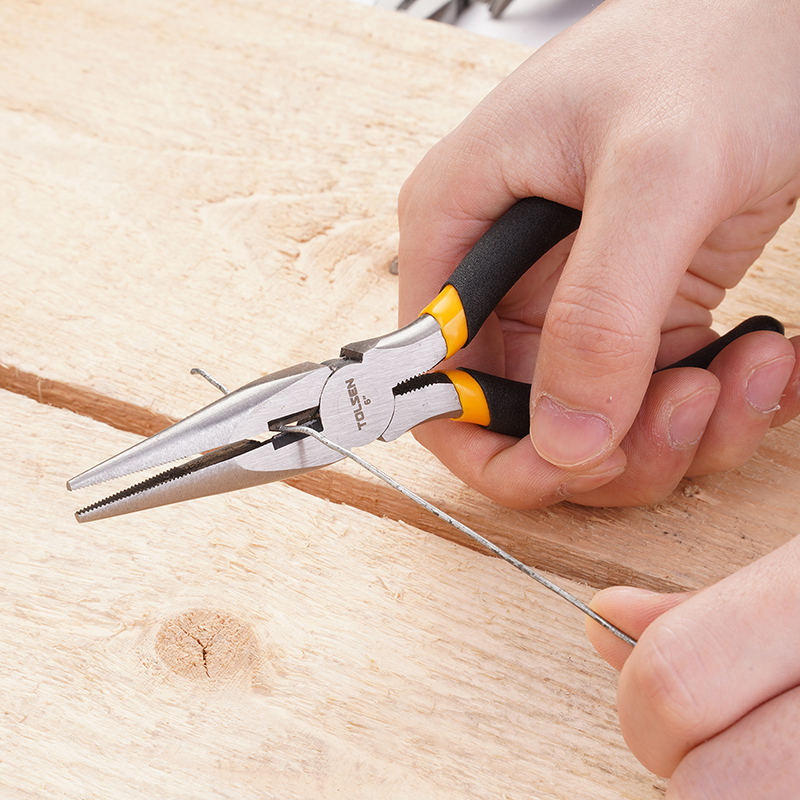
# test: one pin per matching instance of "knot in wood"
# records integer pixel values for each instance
(207, 645)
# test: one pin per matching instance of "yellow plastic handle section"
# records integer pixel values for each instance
(473, 401)
(448, 311)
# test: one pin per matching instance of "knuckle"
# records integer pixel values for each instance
(668, 676)
(600, 343)
(667, 142)
(662, 133)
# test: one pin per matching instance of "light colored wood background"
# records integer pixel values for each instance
(214, 184)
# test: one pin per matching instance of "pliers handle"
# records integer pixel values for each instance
(519, 238)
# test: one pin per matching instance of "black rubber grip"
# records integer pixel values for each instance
(506, 251)
(509, 401)
(705, 355)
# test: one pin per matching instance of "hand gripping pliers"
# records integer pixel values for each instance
(377, 389)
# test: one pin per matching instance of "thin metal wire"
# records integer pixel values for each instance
(491, 546)
(210, 378)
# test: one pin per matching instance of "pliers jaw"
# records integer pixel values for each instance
(217, 440)
(242, 414)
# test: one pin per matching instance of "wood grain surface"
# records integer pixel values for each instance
(214, 184)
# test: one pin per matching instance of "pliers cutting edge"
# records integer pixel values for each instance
(377, 389)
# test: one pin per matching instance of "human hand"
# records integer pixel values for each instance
(675, 127)
(710, 695)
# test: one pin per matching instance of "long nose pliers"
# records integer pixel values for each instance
(377, 389)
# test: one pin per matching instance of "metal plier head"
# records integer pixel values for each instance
(233, 443)
(377, 389)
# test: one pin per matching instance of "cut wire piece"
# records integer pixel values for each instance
(531, 573)
(210, 378)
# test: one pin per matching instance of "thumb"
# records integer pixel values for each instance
(603, 326)
(631, 610)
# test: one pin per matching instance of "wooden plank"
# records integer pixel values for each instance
(216, 187)
(273, 645)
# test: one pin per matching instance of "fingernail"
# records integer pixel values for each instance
(766, 384)
(689, 419)
(566, 437)
(594, 479)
